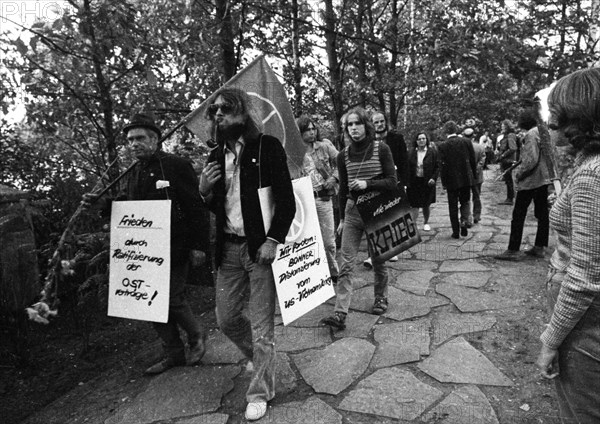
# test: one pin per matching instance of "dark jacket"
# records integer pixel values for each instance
(457, 158)
(189, 220)
(431, 164)
(274, 173)
(398, 147)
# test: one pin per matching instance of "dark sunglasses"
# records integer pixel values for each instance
(225, 108)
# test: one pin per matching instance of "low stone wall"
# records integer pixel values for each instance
(19, 274)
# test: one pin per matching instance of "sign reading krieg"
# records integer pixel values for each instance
(389, 224)
(140, 260)
(300, 268)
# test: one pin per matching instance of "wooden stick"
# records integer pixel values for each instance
(48, 302)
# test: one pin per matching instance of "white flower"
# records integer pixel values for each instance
(162, 184)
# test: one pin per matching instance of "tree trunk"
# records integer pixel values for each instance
(378, 84)
(361, 62)
(594, 35)
(393, 62)
(333, 64)
(104, 90)
(297, 69)
(228, 58)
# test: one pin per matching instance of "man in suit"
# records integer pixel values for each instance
(244, 161)
(459, 168)
(476, 187)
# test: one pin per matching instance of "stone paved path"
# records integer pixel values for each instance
(438, 356)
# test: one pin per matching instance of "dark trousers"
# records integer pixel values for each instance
(476, 191)
(462, 195)
(508, 179)
(540, 203)
(180, 315)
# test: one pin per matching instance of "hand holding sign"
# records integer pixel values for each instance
(357, 185)
(266, 252)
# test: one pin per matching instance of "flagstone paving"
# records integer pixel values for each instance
(462, 266)
(312, 410)
(416, 282)
(459, 362)
(290, 339)
(448, 325)
(401, 342)
(472, 300)
(465, 405)
(424, 361)
(391, 392)
(206, 419)
(179, 393)
(358, 324)
(470, 279)
(334, 368)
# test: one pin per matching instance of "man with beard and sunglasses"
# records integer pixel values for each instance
(244, 161)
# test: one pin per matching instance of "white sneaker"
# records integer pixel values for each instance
(426, 227)
(256, 410)
(368, 263)
(393, 259)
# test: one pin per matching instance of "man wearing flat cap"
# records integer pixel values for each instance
(189, 232)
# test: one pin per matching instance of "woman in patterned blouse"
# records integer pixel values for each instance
(571, 342)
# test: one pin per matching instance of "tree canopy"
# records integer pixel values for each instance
(82, 73)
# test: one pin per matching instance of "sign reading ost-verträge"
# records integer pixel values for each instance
(140, 260)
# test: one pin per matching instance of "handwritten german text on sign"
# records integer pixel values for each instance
(300, 269)
(140, 260)
(388, 222)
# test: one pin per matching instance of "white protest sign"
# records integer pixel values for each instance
(300, 268)
(140, 260)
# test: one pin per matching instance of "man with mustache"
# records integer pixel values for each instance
(244, 161)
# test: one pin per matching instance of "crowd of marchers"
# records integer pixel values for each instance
(371, 156)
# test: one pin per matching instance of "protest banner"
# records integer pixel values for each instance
(140, 260)
(300, 268)
(389, 225)
(270, 104)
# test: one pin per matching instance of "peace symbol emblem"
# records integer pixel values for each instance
(297, 227)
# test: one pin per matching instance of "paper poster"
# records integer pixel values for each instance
(140, 260)
(300, 268)
(388, 222)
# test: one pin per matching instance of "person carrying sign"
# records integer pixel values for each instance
(244, 161)
(365, 165)
(395, 142)
(162, 176)
(321, 166)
